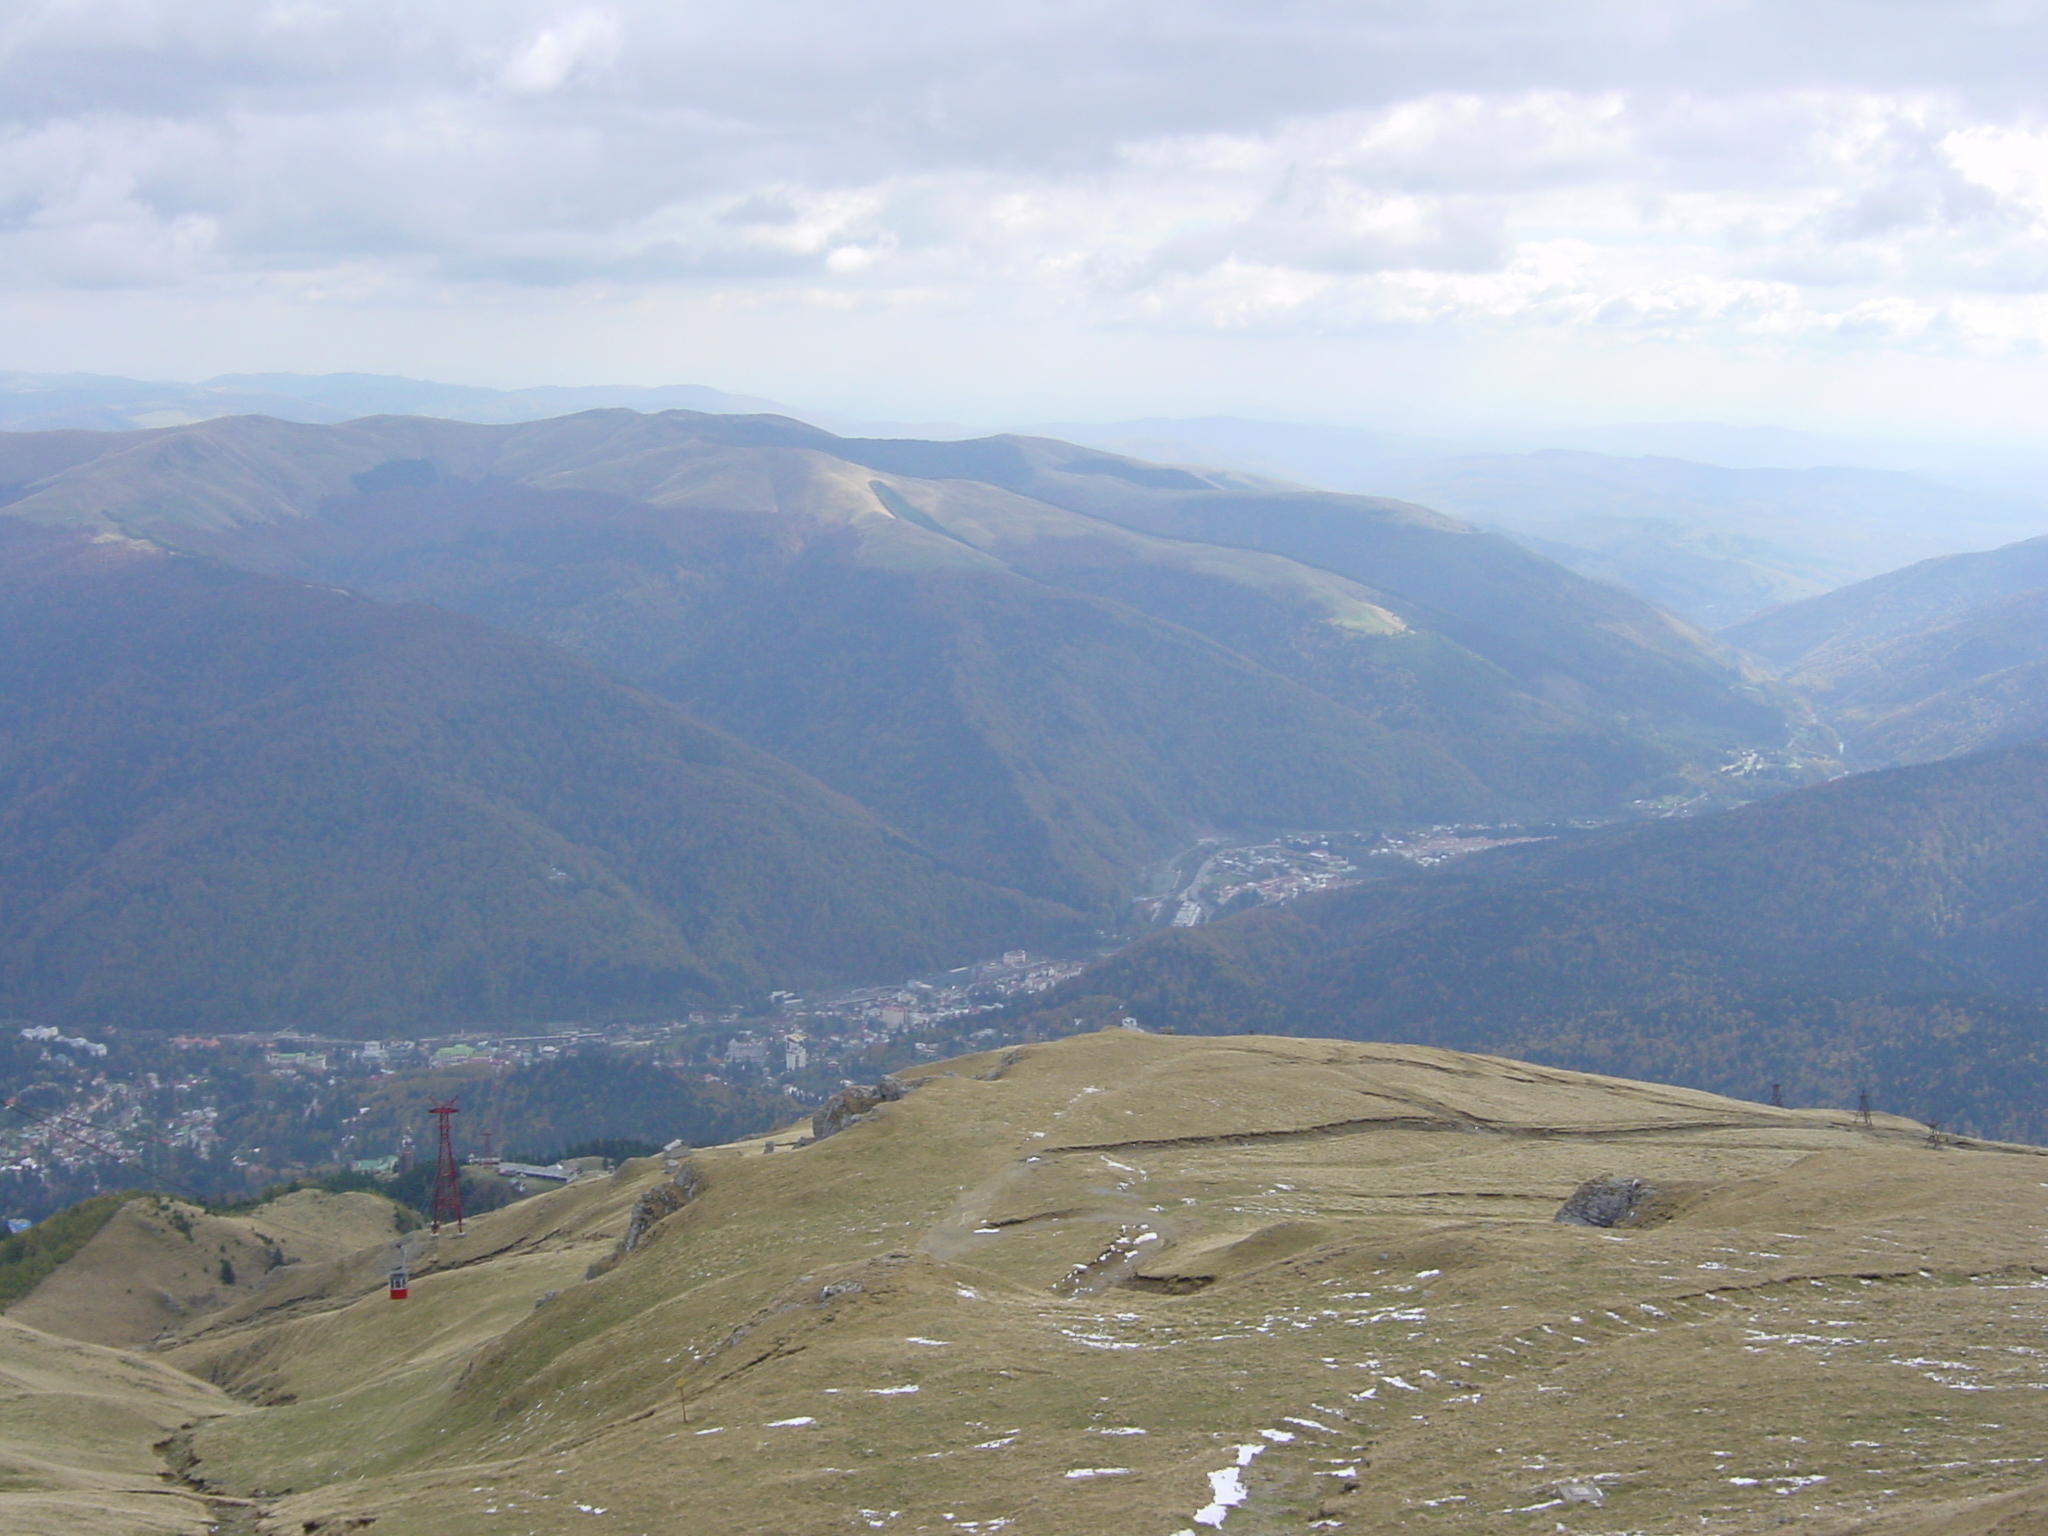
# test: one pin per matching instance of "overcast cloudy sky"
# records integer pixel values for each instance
(1830, 214)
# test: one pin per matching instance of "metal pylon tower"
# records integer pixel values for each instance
(447, 1201)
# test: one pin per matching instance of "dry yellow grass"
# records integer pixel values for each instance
(1113, 1283)
(77, 1424)
(158, 1264)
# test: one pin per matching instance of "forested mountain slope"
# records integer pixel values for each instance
(228, 797)
(1940, 658)
(1046, 664)
(1553, 631)
(1886, 932)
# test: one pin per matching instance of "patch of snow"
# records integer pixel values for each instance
(1076, 1473)
(790, 1423)
(889, 1391)
(1226, 1488)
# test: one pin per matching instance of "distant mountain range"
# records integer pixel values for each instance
(1885, 932)
(1715, 542)
(1717, 545)
(1048, 663)
(1946, 656)
(48, 402)
(1714, 523)
(1030, 668)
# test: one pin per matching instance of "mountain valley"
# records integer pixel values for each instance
(1037, 667)
(1940, 658)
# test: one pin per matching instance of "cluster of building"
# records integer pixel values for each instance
(79, 1115)
(812, 1035)
(289, 1054)
(176, 1102)
(1229, 878)
(1275, 873)
(62, 1047)
(1439, 845)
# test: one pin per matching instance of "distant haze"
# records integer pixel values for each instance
(1406, 216)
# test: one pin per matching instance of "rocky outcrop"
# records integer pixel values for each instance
(1611, 1200)
(853, 1103)
(662, 1200)
(653, 1206)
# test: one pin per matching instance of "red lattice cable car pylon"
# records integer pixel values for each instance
(447, 1200)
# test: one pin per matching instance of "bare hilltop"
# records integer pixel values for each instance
(1129, 1283)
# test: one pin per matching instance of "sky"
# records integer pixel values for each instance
(1410, 214)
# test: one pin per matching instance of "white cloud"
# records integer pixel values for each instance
(1802, 174)
(578, 47)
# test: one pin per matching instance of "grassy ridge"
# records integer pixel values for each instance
(989, 1302)
(27, 1258)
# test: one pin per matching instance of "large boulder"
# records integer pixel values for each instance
(1611, 1200)
(854, 1102)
